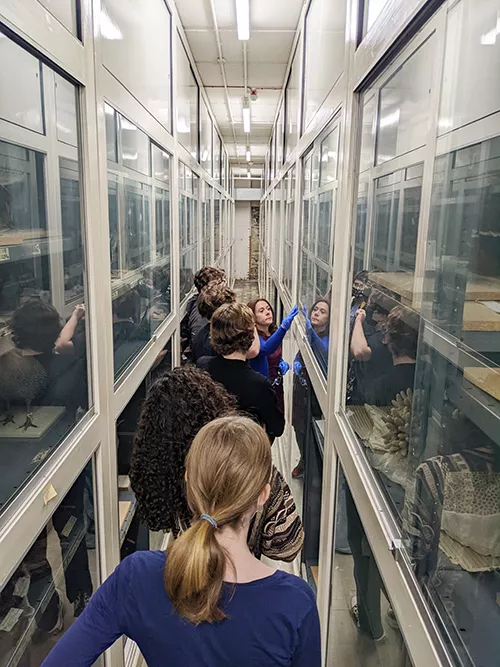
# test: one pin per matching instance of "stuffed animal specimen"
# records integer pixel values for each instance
(22, 379)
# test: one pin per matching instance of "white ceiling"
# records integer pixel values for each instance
(272, 30)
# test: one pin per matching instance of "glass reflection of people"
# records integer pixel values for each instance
(270, 361)
(401, 337)
(235, 340)
(177, 406)
(318, 331)
(210, 299)
(318, 334)
(370, 355)
(208, 600)
(359, 291)
(193, 321)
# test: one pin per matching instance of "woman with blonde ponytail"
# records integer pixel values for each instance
(207, 601)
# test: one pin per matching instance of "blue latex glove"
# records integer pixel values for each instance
(287, 322)
(297, 367)
(309, 326)
(283, 367)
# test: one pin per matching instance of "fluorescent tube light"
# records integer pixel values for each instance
(248, 155)
(246, 119)
(243, 19)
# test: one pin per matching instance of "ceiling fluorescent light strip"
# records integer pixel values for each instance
(243, 19)
(246, 119)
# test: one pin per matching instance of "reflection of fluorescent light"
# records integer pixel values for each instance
(490, 38)
(390, 119)
(130, 156)
(445, 123)
(204, 156)
(127, 125)
(249, 175)
(183, 126)
(109, 30)
(246, 119)
(243, 19)
(248, 155)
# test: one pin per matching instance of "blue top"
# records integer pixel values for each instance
(267, 347)
(272, 622)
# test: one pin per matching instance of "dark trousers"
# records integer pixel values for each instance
(366, 574)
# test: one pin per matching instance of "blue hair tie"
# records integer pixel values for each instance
(210, 519)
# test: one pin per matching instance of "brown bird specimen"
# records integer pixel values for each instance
(22, 379)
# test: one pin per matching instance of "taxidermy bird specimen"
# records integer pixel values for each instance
(22, 379)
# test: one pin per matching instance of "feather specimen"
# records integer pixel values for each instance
(22, 379)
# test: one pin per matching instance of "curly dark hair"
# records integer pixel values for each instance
(402, 332)
(178, 405)
(212, 297)
(207, 275)
(232, 329)
(36, 325)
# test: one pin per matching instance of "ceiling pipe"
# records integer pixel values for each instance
(221, 62)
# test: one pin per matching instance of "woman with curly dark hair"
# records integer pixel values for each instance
(178, 405)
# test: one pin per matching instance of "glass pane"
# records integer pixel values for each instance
(470, 90)
(67, 130)
(409, 227)
(368, 132)
(217, 248)
(111, 133)
(43, 331)
(206, 136)
(161, 271)
(324, 57)
(386, 217)
(292, 98)
(329, 157)
(114, 236)
(363, 627)
(65, 11)
(134, 147)
(217, 153)
(161, 164)
(309, 430)
(325, 225)
(133, 297)
(72, 231)
(404, 105)
(187, 103)
(20, 105)
(54, 581)
(372, 10)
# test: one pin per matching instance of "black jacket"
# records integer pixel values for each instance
(201, 346)
(252, 390)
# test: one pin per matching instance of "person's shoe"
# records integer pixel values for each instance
(354, 612)
(298, 471)
(59, 624)
(391, 619)
(82, 600)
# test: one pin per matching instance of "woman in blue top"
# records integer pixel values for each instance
(208, 601)
(270, 336)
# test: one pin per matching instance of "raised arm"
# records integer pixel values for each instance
(64, 344)
(360, 349)
(270, 345)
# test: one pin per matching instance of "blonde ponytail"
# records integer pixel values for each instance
(227, 468)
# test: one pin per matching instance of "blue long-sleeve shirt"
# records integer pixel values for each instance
(267, 347)
(272, 622)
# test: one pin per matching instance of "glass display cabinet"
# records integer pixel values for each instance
(140, 236)
(43, 352)
(423, 373)
(289, 218)
(188, 225)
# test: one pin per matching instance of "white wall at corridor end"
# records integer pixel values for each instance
(242, 240)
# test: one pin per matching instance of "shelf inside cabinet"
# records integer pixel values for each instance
(45, 588)
(127, 505)
(481, 408)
